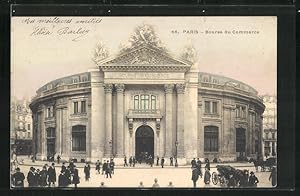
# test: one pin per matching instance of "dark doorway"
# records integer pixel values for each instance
(50, 143)
(241, 142)
(144, 143)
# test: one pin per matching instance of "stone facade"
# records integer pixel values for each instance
(145, 100)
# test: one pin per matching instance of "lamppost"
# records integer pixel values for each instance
(111, 147)
(176, 144)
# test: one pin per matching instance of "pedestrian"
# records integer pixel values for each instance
(170, 185)
(151, 161)
(18, 179)
(58, 159)
(207, 164)
(162, 162)
(31, 177)
(37, 177)
(157, 161)
(130, 161)
(253, 180)
(68, 175)
(62, 179)
(76, 179)
(207, 176)
(63, 167)
(193, 162)
(43, 177)
(155, 185)
(273, 176)
(125, 161)
(51, 175)
(98, 166)
(176, 163)
(231, 181)
(71, 164)
(112, 166)
(199, 167)
(244, 181)
(195, 175)
(141, 185)
(171, 161)
(104, 167)
(133, 161)
(102, 184)
(86, 171)
(108, 170)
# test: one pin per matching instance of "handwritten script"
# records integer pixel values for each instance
(73, 28)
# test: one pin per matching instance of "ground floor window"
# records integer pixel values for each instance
(79, 138)
(211, 139)
(240, 140)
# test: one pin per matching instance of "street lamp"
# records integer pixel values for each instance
(176, 144)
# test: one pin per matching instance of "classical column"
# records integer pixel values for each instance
(169, 106)
(97, 115)
(57, 134)
(120, 119)
(43, 137)
(108, 119)
(180, 120)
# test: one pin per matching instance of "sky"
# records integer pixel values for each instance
(48, 48)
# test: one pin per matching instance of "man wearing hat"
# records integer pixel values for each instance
(253, 180)
(18, 178)
(195, 175)
(31, 177)
(51, 175)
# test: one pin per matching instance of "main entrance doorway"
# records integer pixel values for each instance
(144, 143)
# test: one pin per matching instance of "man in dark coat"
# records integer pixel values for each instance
(207, 164)
(62, 179)
(244, 181)
(43, 177)
(193, 162)
(31, 179)
(207, 176)
(273, 176)
(157, 161)
(68, 175)
(104, 167)
(51, 175)
(86, 170)
(195, 175)
(108, 169)
(130, 161)
(18, 179)
(162, 162)
(133, 161)
(253, 180)
(98, 166)
(125, 161)
(199, 165)
(112, 166)
(63, 167)
(171, 161)
(58, 159)
(75, 177)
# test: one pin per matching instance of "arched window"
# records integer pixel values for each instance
(211, 139)
(79, 138)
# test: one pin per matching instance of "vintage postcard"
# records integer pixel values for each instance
(144, 102)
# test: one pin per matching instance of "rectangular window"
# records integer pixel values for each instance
(75, 107)
(211, 142)
(83, 106)
(214, 107)
(153, 102)
(28, 126)
(136, 102)
(207, 107)
(28, 134)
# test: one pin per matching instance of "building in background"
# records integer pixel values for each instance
(270, 125)
(21, 127)
(143, 101)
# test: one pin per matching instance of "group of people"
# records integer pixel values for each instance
(197, 171)
(47, 176)
(108, 167)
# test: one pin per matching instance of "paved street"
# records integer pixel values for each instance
(130, 177)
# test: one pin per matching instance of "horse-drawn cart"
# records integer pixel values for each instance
(223, 174)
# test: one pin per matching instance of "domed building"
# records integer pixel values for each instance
(145, 101)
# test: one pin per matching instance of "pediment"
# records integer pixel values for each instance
(144, 57)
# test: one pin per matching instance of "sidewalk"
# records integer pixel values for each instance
(28, 162)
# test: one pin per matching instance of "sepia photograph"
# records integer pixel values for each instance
(143, 102)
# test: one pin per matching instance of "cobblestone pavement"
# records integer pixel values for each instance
(130, 177)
